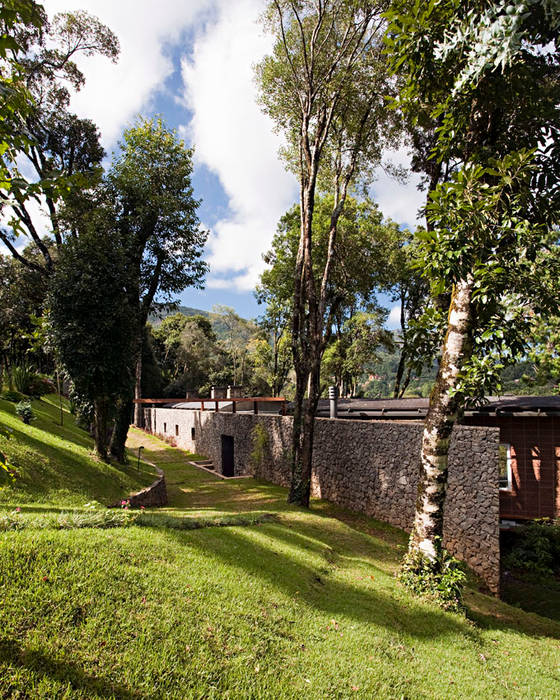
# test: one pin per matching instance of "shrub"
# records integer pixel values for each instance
(259, 452)
(6, 471)
(12, 395)
(536, 548)
(21, 378)
(441, 581)
(25, 412)
(39, 385)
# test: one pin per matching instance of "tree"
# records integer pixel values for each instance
(407, 286)
(235, 332)
(22, 299)
(61, 150)
(158, 227)
(355, 346)
(325, 86)
(481, 74)
(91, 322)
(271, 351)
(186, 347)
(360, 269)
(18, 18)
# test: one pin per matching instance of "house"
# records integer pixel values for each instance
(529, 444)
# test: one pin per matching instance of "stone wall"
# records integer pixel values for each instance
(152, 496)
(370, 467)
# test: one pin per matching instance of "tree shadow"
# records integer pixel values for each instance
(314, 586)
(41, 664)
(74, 465)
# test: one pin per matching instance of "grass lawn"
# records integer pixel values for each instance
(299, 604)
(55, 465)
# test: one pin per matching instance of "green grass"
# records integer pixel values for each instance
(284, 603)
(54, 464)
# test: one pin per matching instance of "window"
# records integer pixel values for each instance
(505, 480)
(176, 430)
(192, 433)
(165, 427)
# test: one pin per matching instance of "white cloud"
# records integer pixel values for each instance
(394, 319)
(398, 201)
(115, 93)
(235, 140)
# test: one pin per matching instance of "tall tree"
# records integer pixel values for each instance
(157, 223)
(59, 151)
(91, 323)
(486, 75)
(325, 86)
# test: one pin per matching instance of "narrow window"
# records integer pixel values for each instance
(176, 430)
(192, 433)
(505, 478)
(165, 427)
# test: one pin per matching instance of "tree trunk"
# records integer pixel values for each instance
(120, 429)
(427, 533)
(138, 410)
(101, 427)
(304, 423)
(402, 360)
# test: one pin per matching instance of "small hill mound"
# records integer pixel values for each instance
(54, 464)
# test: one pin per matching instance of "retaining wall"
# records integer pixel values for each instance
(370, 467)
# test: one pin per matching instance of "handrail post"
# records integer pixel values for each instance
(234, 406)
(256, 407)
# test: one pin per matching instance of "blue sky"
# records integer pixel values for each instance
(192, 62)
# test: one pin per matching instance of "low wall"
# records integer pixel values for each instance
(370, 467)
(152, 496)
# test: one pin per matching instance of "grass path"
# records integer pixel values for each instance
(304, 606)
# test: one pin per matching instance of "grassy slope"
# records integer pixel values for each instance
(54, 463)
(305, 606)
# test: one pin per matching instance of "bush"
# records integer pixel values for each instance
(25, 412)
(28, 382)
(441, 581)
(535, 548)
(21, 378)
(39, 385)
(12, 395)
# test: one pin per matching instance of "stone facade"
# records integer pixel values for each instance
(370, 467)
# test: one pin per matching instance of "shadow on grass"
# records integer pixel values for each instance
(66, 673)
(315, 586)
(105, 482)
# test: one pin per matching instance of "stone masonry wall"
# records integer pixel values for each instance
(370, 467)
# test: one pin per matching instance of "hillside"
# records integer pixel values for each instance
(285, 603)
(55, 465)
(155, 318)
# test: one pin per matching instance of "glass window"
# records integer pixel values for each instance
(505, 480)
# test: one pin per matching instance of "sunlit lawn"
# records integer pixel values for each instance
(303, 605)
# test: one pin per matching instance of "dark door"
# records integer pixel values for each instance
(227, 455)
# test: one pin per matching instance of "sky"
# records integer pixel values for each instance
(191, 61)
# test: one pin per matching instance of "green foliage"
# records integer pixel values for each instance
(479, 226)
(62, 151)
(25, 412)
(12, 395)
(6, 473)
(21, 378)
(260, 448)
(53, 464)
(89, 315)
(441, 581)
(28, 382)
(70, 520)
(535, 548)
